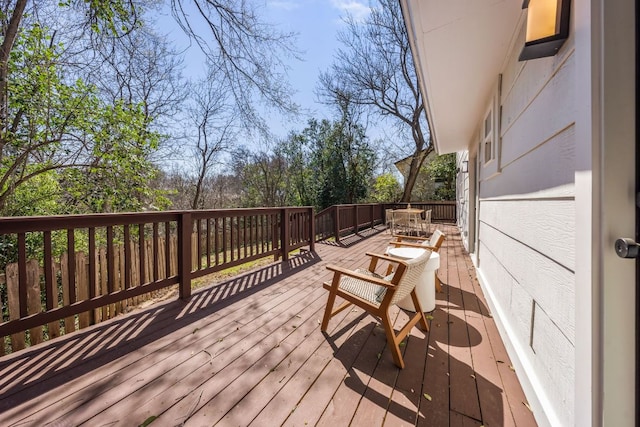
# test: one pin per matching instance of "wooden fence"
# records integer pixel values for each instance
(108, 262)
(60, 271)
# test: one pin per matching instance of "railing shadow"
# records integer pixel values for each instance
(59, 361)
(352, 239)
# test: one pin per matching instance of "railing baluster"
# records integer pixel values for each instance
(208, 246)
(217, 240)
(198, 254)
(142, 255)
(254, 234)
(238, 239)
(185, 228)
(224, 240)
(156, 248)
(263, 231)
(235, 233)
(167, 242)
(22, 274)
(71, 250)
(51, 293)
(336, 223)
(127, 257)
(244, 235)
(92, 262)
(111, 261)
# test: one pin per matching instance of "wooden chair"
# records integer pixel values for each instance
(388, 214)
(433, 244)
(425, 222)
(401, 221)
(376, 294)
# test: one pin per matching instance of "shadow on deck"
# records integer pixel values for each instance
(249, 351)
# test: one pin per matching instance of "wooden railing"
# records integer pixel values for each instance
(440, 211)
(65, 273)
(340, 220)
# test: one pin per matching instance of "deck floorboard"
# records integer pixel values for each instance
(249, 351)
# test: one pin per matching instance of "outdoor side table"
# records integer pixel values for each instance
(426, 288)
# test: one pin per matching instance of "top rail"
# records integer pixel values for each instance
(339, 220)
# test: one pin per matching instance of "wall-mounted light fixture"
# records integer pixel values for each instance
(547, 27)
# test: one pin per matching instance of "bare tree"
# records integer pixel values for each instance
(375, 69)
(249, 52)
(215, 123)
(141, 68)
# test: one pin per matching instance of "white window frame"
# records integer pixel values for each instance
(490, 134)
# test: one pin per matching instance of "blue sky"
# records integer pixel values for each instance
(316, 22)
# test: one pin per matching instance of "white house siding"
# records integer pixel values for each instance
(526, 219)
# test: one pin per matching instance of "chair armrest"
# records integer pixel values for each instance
(386, 257)
(414, 238)
(350, 273)
(409, 245)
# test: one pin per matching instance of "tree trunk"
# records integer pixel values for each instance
(414, 170)
(10, 35)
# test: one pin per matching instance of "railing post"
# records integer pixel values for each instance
(285, 227)
(312, 231)
(355, 219)
(184, 254)
(336, 223)
(372, 220)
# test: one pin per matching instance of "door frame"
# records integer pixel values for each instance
(605, 326)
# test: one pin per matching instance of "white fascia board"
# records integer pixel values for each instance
(459, 49)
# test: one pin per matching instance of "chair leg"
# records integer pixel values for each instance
(438, 285)
(327, 311)
(416, 305)
(392, 341)
(389, 269)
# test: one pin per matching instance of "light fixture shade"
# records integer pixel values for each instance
(547, 27)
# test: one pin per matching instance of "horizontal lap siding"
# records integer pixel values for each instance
(546, 226)
(543, 279)
(547, 171)
(527, 217)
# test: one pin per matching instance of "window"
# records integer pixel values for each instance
(490, 144)
(487, 139)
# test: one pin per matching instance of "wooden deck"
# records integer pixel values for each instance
(249, 351)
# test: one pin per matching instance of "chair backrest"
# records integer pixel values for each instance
(436, 240)
(388, 215)
(427, 216)
(401, 218)
(411, 276)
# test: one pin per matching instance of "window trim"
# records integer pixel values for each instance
(490, 133)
